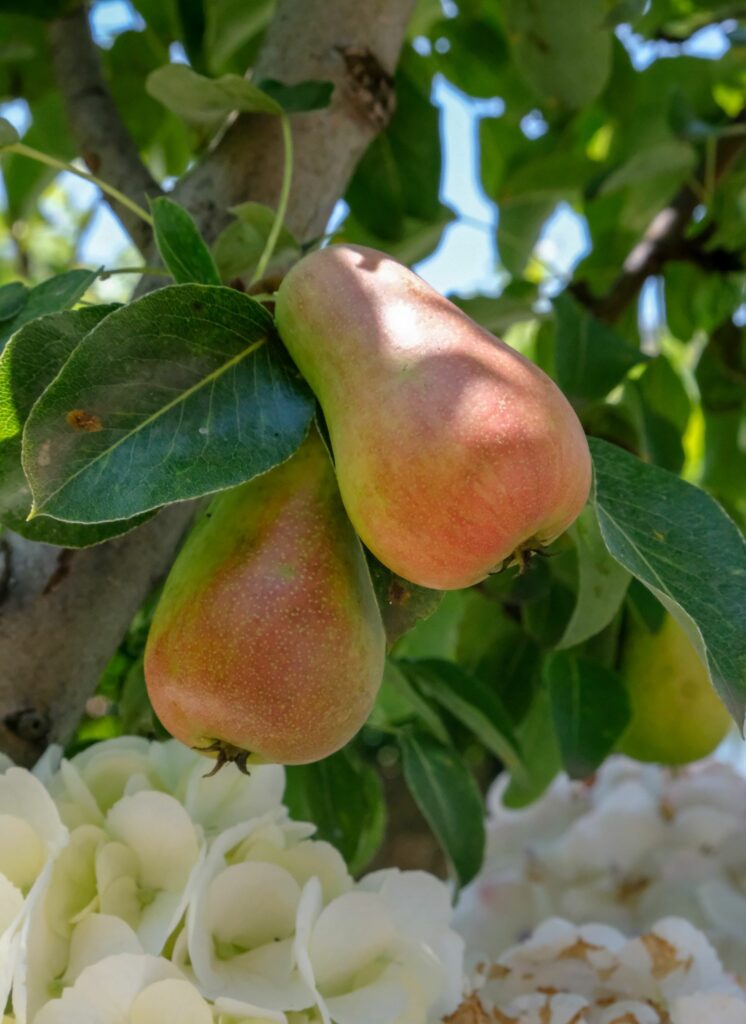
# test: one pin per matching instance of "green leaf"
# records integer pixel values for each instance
(398, 178)
(12, 299)
(519, 227)
(541, 752)
(563, 50)
(473, 703)
(590, 708)
(180, 244)
(447, 795)
(680, 543)
(437, 635)
(232, 27)
(238, 247)
(402, 603)
(206, 101)
(181, 393)
(31, 359)
(602, 582)
(590, 358)
(301, 97)
(395, 676)
(50, 296)
(8, 135)
(342, 795)
(192, 18)
(660, 408)
(664, 160)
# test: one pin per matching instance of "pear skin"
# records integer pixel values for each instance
(453, 452)
(677, 716)
(267, 643)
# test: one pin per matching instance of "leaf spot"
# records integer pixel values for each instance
(79, 419)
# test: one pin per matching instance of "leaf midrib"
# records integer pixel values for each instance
(182, 397)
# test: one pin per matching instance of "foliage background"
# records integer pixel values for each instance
(594, 117)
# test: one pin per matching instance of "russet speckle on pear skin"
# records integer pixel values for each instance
(453, 452)
(268, 636)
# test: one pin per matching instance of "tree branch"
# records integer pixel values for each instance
(665, 238)
(65, 612)
(99, 132)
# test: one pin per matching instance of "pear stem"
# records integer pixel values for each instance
(282, 206)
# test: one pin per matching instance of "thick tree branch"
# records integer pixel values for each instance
(665, 238)
(64, 613)
(99, 132)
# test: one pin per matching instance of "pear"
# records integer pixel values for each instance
(676, 714)
(267, 644)
(453, 452)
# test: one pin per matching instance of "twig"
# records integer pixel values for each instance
(666, 234)
(97, 127)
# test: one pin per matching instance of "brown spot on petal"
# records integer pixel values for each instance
(664, 956)
(471, 1011)
(79, 419)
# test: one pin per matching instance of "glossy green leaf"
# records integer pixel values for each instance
(181, 393)
(564, 50)
(590, 357)
(472, 702)
(30, 361)
(680, 543)
(180, 244)
(602, 582)
(51, 296)
(590, 708)
(206, 101)
(447, 795)
(342, 795)
(301, 97)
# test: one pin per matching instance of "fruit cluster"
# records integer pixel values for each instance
(453, 455)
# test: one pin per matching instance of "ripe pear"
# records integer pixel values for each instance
(453, 452)
(676, 714)
(267, 644)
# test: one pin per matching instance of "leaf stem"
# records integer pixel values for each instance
(282, 206)
(60, 165)
(153, 271)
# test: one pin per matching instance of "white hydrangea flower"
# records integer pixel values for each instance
(637, 842)
(240, 936)
(141, 989)
(31, 833)
(276, 920)
(593, 974)
(134, 874)
(89, 784)
(383, 952)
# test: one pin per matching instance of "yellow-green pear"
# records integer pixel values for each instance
(676, 714)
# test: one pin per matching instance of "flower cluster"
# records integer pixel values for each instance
(592, 974)
(636, 844)
(134, 889)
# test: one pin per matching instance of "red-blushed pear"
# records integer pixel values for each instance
(267, 644)
(453, 452)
